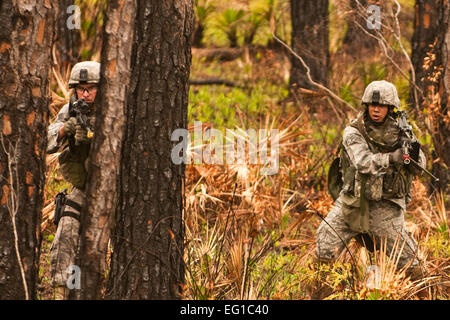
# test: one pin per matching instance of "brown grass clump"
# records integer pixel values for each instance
(235, 215)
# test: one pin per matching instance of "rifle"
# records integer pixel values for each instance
(408, 143)
(80, 109)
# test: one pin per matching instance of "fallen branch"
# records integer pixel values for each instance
(308, 75)
(214, 81)
(221, 54)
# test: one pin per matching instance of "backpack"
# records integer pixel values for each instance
(335, 180)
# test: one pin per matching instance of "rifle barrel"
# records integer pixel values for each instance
(414, 162)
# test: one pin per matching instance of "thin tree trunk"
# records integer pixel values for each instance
(146, 261)
(106, 149)
(430, 57)
(26, 38)
(310, 41)
(197, 36)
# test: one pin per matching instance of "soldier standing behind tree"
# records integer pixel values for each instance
(67, 131)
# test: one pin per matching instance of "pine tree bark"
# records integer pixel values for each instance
(430, 58)
(105, 152)
(310, 41)
(26, 38)
(146, 262)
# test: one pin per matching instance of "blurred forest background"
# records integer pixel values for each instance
(252, 236)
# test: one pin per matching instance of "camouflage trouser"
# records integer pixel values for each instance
(386, 224)
(65, 244)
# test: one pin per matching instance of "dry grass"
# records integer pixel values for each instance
(237, 220)
(252, 236)
(231, 214)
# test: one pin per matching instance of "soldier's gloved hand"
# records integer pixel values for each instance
(80, 134)
(70, 126)
(396, 156)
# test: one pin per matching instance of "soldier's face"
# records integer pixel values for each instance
(87, 92)
(378, 112)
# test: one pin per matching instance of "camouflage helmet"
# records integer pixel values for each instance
(381, 92)
(85, 72)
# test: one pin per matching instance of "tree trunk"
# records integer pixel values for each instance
(310, 41)
(146, 262)
(26, 38)
(68, 38)
(430, 57)
(197, 36)
(106, 149)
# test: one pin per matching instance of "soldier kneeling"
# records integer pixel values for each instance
(376, 184)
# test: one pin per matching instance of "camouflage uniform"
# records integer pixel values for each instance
(375, 192)
(73, 167)
(64, 247)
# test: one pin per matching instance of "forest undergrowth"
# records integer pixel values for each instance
(249, 235)
(252, 236)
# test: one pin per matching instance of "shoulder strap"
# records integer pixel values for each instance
(70, 214)
(373, 145)
(73, 204)
(339, 148)
(362, 129)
